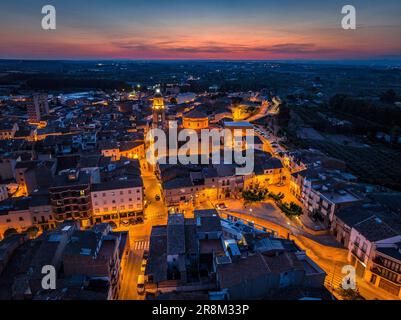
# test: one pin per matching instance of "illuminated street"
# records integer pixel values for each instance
(224, 152)
(155, 214)
(321, 248)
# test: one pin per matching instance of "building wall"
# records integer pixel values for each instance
(43, 217)
(18, 220)
(134, 153)
(72, 203)
(272, 176)
(8, 134)
(213, 189)
(116, 201)
(381, 274)
(359, 249)
(341, 231)
(113, 153)
(195, 124)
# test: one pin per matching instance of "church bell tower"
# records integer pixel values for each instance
(159, 111)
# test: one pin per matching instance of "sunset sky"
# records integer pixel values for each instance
(219, 29)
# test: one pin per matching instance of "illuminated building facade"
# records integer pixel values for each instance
(159, 111)
(195, 120)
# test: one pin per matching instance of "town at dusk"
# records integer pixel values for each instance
(212, 154)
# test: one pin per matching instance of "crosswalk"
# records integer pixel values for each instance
(334, 282)
(141, 245)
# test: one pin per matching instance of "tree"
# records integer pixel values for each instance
(350, 294)
(291, 209)
(284, 115)
(276, 197)
(255, 194)
(295, 209)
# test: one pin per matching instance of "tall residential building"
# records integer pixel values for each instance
(38, 108)
(70, 197)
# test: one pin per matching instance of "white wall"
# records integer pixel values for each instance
(125, 200)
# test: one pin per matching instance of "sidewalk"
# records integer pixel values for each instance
(312, 225)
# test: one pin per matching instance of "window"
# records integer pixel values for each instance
(21, 219)
(95, 195)
(121, 192)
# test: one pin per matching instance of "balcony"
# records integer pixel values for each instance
(358, 254)
(380, 262)
(387, 274)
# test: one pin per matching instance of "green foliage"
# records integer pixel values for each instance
(375, 165)
(255, 194)
(290, 209)
(350, 294)
(276, 197)
(385, 115)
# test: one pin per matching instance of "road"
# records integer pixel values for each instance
(322, 249)
(155, 214)
(262, 112)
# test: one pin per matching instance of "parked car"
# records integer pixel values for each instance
(140, 285)
(157, 198)
(145, 254)
(143, 265)
(221, 206)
